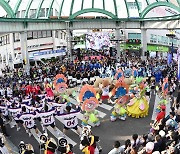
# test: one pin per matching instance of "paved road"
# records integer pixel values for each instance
(108, 131)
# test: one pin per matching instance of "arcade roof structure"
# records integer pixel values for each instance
(113, 9)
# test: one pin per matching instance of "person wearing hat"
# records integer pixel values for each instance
(161, 114)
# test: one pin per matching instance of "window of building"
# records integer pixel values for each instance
(39, 34)
(51, 14)
(153, 38)
(32, 13)
(49, 33)
(56, 34)
(35, 35)
(29, 35)
(4, 59)
(159, 39)
(10, 58)
(22, 13)
(0, 59)
(16, 37)
(42, 12)
(44, 34)
(64, 36)
(7, 39)
(0, 41)
(56, 13)
(18, 14)
(61, 35)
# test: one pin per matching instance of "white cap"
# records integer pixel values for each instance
(162, 133)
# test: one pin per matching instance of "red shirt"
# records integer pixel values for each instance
(28, 89)
(160, 116)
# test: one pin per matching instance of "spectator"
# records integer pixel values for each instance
(117, 149)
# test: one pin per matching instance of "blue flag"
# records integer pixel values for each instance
(169, 58)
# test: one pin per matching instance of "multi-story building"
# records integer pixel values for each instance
(46, 43)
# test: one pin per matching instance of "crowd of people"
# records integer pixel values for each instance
(23, 96)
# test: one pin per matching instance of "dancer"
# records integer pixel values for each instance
(138, 106)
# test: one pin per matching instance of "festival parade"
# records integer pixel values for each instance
(89, 77)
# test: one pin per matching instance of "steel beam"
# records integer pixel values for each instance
(127, 9)
(93, 10)
(82, 4)
(115, 8)
(178, 1)
(138, 7)
(157, 4)
(60, 9)
(90, 24)
(71, 9)
(39, 8)
(103, 4)
(18, 3)
(7, 8)
(27, 8)
(50, 8)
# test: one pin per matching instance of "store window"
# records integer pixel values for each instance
(134, 36)
(153, 38)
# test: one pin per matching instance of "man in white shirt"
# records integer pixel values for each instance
(117, 149)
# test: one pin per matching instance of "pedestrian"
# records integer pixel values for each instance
(2, 125)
